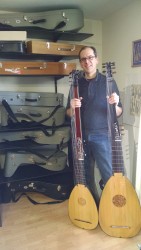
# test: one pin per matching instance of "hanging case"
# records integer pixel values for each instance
(56, 20)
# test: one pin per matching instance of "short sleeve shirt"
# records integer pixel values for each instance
(94, 103)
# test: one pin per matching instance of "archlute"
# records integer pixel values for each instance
(119, 209)
(82, 207)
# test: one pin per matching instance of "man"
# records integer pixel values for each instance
(93, 105)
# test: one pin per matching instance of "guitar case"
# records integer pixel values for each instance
(55, 135)
(54, 20)
(41, 115)
(25, 152)
(14, 160)
(54, 185)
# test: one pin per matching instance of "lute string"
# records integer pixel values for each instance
(113, 126)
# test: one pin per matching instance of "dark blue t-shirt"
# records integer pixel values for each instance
(94, 103)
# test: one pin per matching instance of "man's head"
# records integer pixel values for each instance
(88, 47)
(88, 60)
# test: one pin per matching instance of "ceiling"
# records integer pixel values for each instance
(92, 9)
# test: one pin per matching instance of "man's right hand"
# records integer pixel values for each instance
(75, 103)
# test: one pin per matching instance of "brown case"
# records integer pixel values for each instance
(36, 68)
(53, 48)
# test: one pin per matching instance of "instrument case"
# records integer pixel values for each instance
(12, 46)
(36, 68)
(56, 185)
(58, 136)
(34, 114)
(48, 99)
(55, 20)
(48, 158)
(53, 48)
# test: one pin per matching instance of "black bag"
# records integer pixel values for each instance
(55, 186)
(12, 47)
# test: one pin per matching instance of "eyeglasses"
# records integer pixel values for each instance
(89, 58)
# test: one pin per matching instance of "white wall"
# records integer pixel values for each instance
(119, 31)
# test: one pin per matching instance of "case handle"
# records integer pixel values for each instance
(67, 49)
(35, 67)
(61, 49)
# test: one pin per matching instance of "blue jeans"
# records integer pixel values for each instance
(99, 147)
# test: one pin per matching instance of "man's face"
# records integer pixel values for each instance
(88, 61)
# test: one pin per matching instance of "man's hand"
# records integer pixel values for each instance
(75, 103)
(113, 99)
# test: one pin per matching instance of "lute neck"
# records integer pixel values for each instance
(117, 154)
(77, 137)
(113, 126)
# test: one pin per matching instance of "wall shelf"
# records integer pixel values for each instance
(41, 33)
(41, 57)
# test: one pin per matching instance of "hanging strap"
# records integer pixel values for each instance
(9, 110)
(26, 123)
(14, 199)
(28, 145)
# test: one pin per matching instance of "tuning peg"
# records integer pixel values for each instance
(108, 64)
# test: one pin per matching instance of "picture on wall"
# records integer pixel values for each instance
(135, 100)
(136, 53)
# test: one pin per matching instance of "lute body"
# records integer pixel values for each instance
(119, 210)
(82, 207)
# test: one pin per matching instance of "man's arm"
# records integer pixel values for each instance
(118, 110)
(114, 99)
(69, 112)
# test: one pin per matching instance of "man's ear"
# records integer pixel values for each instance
(97, 59)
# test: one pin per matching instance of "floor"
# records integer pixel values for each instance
(43, 227)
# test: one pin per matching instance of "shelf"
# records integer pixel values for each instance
(38, 57)
(40, 33)
(55, 36)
